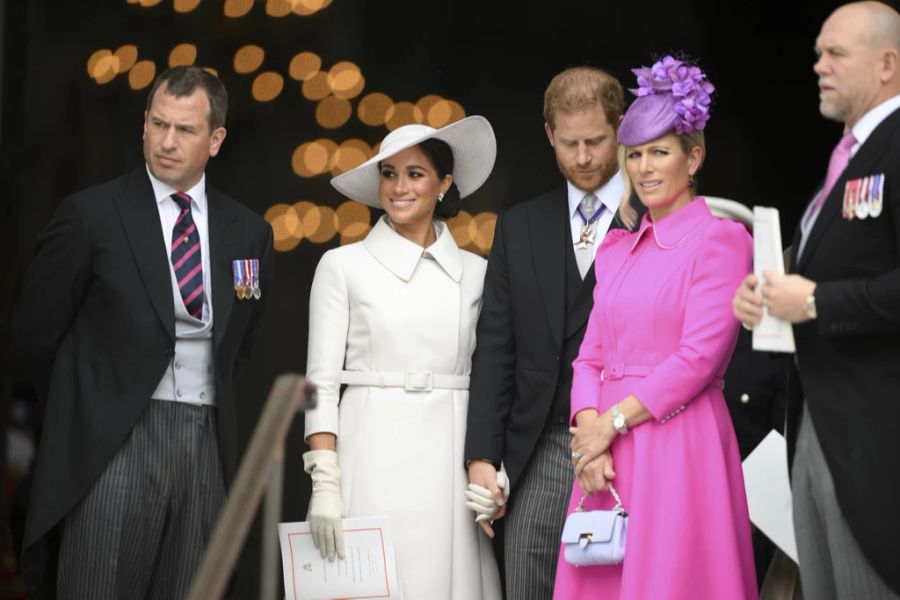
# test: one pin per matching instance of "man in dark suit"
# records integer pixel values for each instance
(537, 298)
(131, 328)
(843, 297)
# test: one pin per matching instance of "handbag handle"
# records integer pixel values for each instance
(618, 507)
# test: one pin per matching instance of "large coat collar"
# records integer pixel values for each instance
(401, 256)
(670, 231)
(137, 209)
(861, 165)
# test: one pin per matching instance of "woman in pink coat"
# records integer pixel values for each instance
(647, 393)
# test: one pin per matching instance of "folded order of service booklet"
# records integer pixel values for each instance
(368, 569)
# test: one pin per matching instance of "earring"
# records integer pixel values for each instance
(441, 197)
(690, 181)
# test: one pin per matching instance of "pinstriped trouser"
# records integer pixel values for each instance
(141, 530)
(832, 564)
(537, 513)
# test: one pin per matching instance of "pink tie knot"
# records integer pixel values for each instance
(839, 159)
(847, 142)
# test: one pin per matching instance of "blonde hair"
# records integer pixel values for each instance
(578, 88)
(687, 141)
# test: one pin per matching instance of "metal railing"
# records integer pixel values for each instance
(262, 467)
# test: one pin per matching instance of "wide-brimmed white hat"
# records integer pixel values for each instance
(471, 140)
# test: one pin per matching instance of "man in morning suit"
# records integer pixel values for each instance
(843, 297)
(130, 326)
(537, 298)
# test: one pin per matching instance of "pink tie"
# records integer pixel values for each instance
(839, 159)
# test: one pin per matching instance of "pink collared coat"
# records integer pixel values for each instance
(662, 329)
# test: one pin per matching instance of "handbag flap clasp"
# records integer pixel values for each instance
(589, 526)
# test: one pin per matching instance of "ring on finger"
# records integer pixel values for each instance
(576, 455)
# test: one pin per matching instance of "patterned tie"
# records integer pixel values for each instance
(584, 252)
(186, 259)
(839, 159)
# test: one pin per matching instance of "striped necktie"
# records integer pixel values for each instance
(186, 258)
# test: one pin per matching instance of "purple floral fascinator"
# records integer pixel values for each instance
(671, 95)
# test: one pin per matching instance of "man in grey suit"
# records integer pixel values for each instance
(843, 298)
(141, 303)
(537, 297)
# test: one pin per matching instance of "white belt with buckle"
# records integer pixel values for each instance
(411, 381)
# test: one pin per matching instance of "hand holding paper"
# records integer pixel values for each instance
(368, 569)
(770, 333)
(326, 507)
(785, 296)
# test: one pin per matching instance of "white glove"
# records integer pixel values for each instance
(326, 508)
(481, 501)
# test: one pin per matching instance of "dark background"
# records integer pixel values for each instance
(61, 131)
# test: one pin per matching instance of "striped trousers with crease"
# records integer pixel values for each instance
(537, 513)
(142, 528)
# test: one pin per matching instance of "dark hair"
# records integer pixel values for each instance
(440, 155)
(182, 81)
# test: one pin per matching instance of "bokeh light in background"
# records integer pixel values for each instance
(127, 56)
(332, 112)
(335, 90)
(315, 87)
(307, 7)
(350, 155)
(402, 113)
(373, 109)
(237, 8)
(183, 54)
(141, 74)
(345, 80)
(267, 86)
(248, 59)
(313, 158)
(304, 65)
(184, 6)
(473, 233)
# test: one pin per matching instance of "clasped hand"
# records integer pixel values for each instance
(592, 437)
(784, 296)
(487, 494)
(597, 474)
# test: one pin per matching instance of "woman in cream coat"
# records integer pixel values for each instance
(393, 318)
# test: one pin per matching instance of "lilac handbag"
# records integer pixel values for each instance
(596, 537)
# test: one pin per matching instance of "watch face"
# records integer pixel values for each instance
(619, 421)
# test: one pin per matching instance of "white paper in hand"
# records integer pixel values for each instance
(771, 334)
(368, 569)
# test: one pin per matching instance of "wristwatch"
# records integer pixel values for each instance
(618, 419)
(811, 306)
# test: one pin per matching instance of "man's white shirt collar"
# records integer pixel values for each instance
(610, 194)
(163, 191)
(871, 120)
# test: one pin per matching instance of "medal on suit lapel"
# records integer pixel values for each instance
(848, 211)
(254, 278)
(862, 199)
(877, 195)
(852, 198)
(237, 269)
